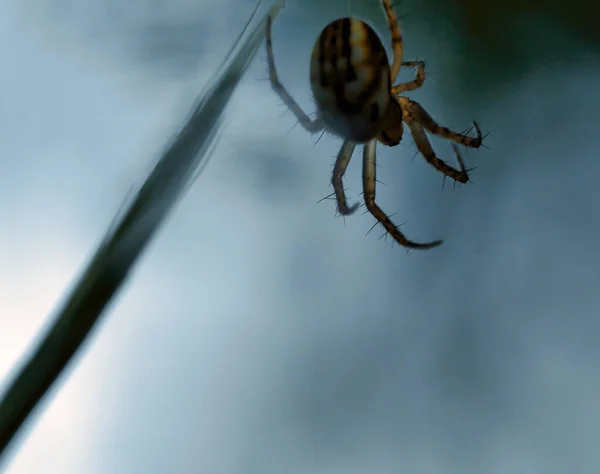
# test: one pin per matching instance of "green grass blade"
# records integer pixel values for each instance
(125, 241)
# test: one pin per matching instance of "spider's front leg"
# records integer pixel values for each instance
(424, 146)
(341, 163)
(369, 183)
(414, 84)
(311, 126)
(418, 120)
(396, 38)
(417, 113)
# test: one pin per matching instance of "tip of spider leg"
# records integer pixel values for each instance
(478, 132)
(483, 138)
(348, 211)
(469, 181)
(469, 171)
(426, 246)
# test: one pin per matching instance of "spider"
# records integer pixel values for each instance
(351, 81)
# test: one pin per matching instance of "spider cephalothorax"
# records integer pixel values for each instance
(351, 81)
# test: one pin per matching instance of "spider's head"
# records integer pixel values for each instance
(391, 130)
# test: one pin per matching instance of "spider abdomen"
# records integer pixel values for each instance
(350, 79)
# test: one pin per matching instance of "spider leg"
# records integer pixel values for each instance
(369, 183)
(396, 38)
(418, 114)
(311, 126)
(341, 163)
(414, 84)
(424, 146)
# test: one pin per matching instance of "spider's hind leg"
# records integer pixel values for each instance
(369, 182)
(307, 123)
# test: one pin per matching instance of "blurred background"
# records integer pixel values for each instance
(259, 333)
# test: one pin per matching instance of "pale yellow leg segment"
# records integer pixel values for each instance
(341, 163)
(424, 146)
(312, 126)
(416, 112)
(369, 182)
(414, 84)
(396, 38)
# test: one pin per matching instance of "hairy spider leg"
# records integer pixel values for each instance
(341, 163)
(414, 84)
(310, 125)
(459, 158)
(424, 146)
(419, 114)
(369, 183)
(396, 38)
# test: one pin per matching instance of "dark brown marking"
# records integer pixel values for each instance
(374, 113)
(335, 44)
(375, 47)
(323, 58)
(378, 60)
(347, 49)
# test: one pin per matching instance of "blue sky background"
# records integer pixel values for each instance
(259, 334)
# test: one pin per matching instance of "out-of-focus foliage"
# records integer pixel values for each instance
(124, 243)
